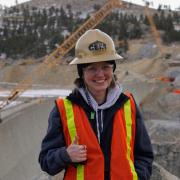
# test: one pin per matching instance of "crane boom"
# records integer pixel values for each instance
(94, 20)
(154, 30)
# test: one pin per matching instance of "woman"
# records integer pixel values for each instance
(97, 132)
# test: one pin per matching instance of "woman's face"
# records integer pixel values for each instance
(98, 76)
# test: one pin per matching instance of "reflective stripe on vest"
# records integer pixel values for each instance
(73, 133)
(128, 119)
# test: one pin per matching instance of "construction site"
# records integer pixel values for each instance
(28, 89)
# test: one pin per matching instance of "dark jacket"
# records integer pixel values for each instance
(53, 156)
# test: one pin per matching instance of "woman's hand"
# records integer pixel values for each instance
(77, 153)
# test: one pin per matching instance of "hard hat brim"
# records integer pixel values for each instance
(93, 59)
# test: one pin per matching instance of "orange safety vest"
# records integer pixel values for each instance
(75, 122)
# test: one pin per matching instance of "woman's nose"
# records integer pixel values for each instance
(99, 71)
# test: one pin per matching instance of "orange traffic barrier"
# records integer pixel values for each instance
(166, 79)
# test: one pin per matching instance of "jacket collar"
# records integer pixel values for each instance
(112, 96)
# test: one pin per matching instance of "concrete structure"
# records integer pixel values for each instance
(20, 138)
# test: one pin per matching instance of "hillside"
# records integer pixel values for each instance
(39, 30)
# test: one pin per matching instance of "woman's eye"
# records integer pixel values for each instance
(91, 69)
(106, 67)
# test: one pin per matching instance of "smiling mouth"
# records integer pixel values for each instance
(100, 81)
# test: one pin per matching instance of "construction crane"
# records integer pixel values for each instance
(63, 49)
(154, 30)
(157, 37)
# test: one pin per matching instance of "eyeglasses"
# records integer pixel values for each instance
(92, 69)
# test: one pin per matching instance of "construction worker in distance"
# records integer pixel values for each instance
(97, 132)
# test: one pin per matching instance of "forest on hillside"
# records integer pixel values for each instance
(31, 32)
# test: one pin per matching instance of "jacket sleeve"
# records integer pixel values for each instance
(53, 156)
(143, 149)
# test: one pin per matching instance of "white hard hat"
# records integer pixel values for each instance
(95, 46)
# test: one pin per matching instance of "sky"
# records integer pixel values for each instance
(173, 3)
(10, 2)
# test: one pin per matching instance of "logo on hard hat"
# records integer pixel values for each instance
(97, 47)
